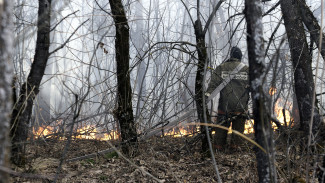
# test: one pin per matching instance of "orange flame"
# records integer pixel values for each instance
(249, 126)
(272, 91)
(86, 132)
(182, 131)
(91, 132)
(113, 135)
(43, 131)
(280, 116)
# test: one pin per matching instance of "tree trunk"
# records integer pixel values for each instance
(124, 111)
(261, 101)
(199, 92)
(22, 111)
(303, 75)
(6, 68)
(312, 25)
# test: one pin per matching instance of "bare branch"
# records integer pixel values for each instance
(103, 8)
(271, 9)
(66, 42)
(211, 16)
(62, 20)
(188, 11)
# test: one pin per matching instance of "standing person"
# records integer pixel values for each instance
(233, 102)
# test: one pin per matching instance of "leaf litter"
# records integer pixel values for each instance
(166, 158)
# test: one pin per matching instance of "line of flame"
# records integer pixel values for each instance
(91, 132)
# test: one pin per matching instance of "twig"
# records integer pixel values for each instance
(62, 20)
(66, 42)
(272, 36)
(233, 131)
(188, 11)
(76, 114)
(271, 9)
(25, 175)
(88, 156)
(144, 136)
(211, 16)
(103, 8)
(319, 94)
(214, 162)
(133, 164)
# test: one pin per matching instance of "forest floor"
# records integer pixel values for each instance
(165, 158)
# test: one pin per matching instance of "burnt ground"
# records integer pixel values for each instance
(167, 159)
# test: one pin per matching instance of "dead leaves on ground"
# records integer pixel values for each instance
(161, 157)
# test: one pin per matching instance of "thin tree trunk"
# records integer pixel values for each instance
(22, 111)
(200, 73)
(6, 70)
(303, 75)
(124, 111)
(202, 54)
(261, 101)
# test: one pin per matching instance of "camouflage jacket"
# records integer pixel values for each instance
(234, 96)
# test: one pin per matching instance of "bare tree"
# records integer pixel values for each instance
(199, 92)
(124, 110)
(200, 74)
(295, 13)
(6, 49)
(261, 108)
(303, 75)
(21, 114)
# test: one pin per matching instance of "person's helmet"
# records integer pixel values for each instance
(236, 53)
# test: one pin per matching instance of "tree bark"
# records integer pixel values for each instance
(303, 75)
(312, 25)
(261, 101)
(124, 111)
(22, 111)
(6, 70)
(199, 92)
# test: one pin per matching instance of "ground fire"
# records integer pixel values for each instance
(92, 132)
(85, 132)
(182, 131)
